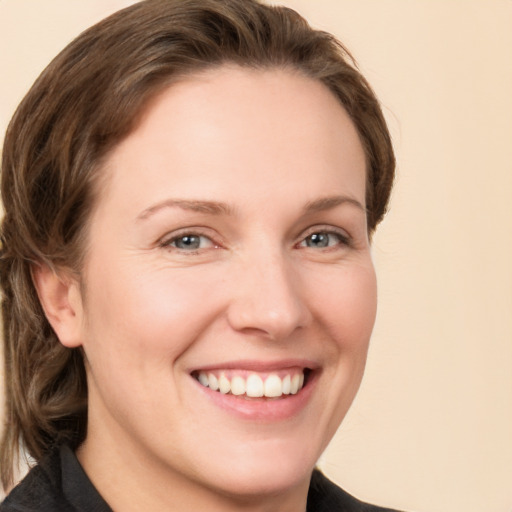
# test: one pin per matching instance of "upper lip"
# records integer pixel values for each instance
(258, 365)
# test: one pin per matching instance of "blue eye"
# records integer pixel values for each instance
(190, 242)
(324, 239)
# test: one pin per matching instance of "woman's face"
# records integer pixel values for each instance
(228, 248)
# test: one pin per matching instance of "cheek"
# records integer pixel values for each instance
(348, 307)
(138, 325)
(134, 312)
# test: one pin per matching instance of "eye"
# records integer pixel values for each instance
(189, 242)
(324, 239)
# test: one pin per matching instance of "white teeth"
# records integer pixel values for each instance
(254, 386)
(237, 386)
(224, 384)
(213, 383)
(287, 382)
(295, 384)
(273, 386)
(203, 379)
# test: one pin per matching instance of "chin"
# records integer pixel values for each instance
(271, 470)
(277, 478)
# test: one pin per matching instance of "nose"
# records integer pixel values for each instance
(267, 299)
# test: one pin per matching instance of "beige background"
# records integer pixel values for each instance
(431, 429)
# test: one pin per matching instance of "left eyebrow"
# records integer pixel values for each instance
(327, 203)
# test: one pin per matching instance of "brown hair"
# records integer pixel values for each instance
(81, 106)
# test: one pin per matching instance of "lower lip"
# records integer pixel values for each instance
(267, 410)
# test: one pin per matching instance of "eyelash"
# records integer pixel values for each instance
(343, 240)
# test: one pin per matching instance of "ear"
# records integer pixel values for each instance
(61, 300)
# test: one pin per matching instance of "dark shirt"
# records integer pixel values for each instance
(59, 484)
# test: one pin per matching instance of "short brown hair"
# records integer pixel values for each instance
(84, 103)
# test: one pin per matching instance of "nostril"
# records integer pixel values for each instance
(260, 319)
(267, 300)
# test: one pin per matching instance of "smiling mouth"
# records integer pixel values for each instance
(254, 385)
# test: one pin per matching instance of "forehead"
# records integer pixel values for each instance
(272, 126)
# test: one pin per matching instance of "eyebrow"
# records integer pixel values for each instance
(210, 207)
(327, 203)
(220, 208)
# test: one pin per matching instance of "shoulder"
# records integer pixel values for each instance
(325, 496)
(57, 483)
(39, 490)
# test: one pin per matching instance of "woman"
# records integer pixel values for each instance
(190, 189)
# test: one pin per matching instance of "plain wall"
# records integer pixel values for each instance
(431, 429)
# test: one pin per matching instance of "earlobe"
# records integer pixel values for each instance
(61, 301)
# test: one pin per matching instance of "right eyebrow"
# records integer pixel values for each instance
(210, 207)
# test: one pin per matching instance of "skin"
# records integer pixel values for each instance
(271, 146)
